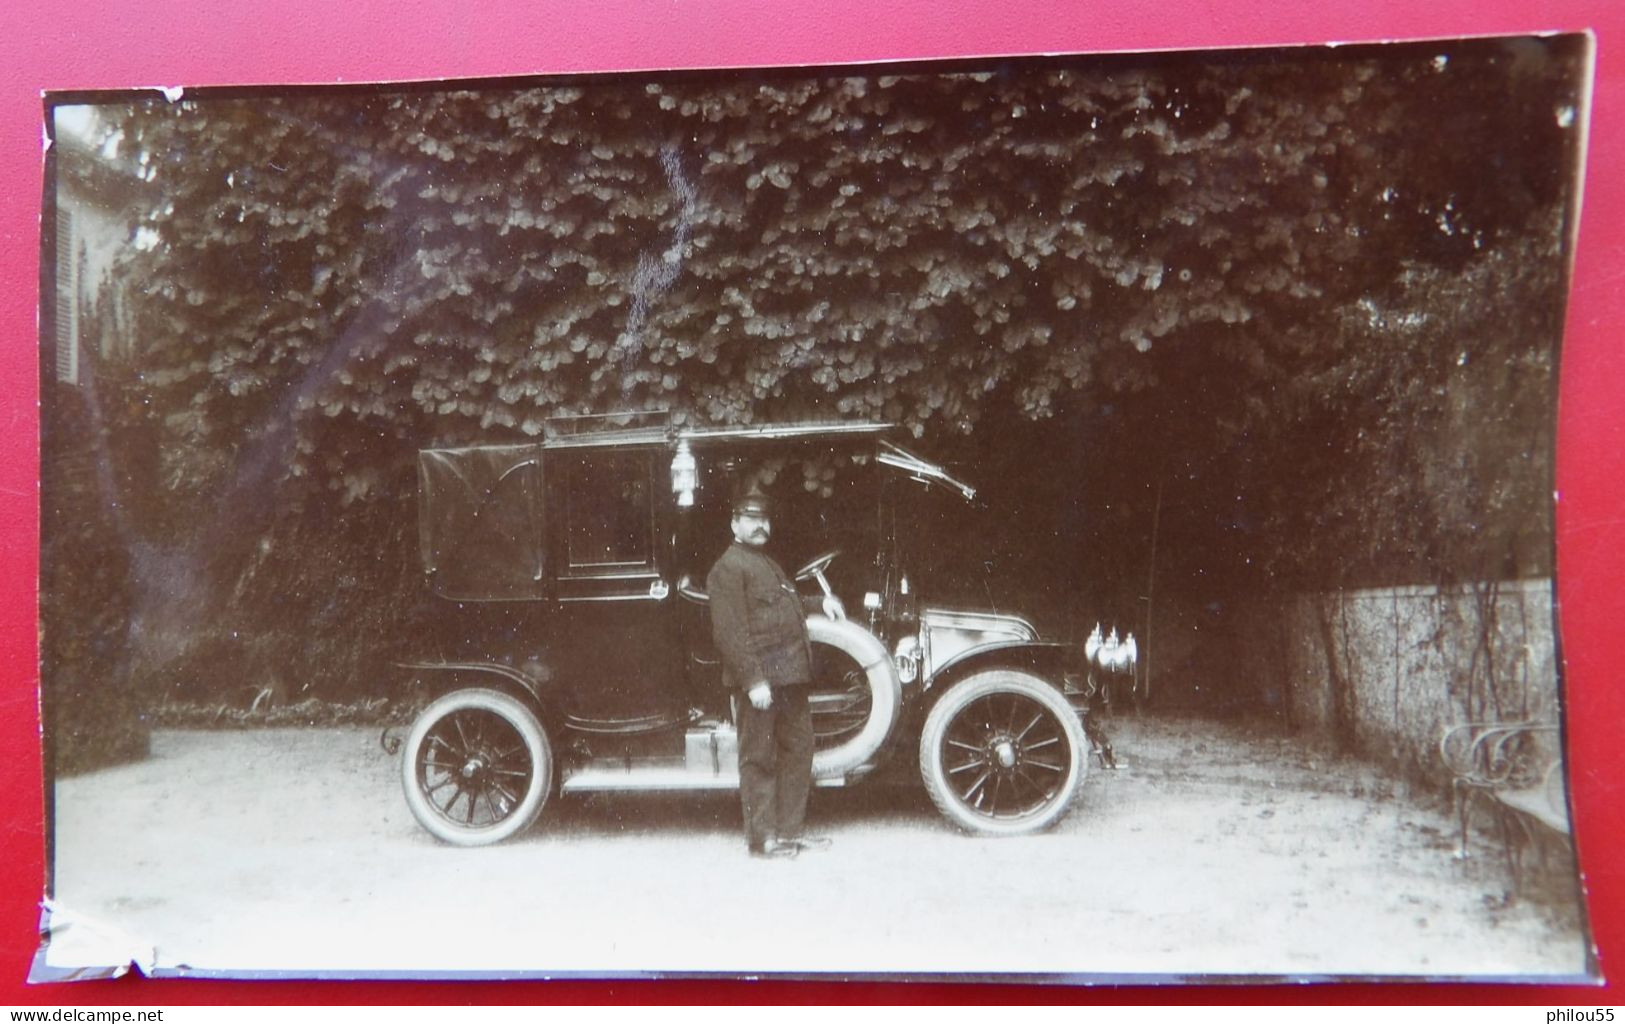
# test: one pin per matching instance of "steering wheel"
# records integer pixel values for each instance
(816, 567)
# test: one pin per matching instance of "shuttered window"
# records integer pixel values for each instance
(67, 299)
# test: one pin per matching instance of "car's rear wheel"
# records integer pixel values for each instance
(1002, 753)
(476, 767)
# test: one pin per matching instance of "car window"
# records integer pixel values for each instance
(608, 514)
(479, 522)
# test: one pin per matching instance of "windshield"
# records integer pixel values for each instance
(921, 470)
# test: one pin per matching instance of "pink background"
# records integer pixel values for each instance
(125, 43)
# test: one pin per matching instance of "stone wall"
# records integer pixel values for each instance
(1413, 660)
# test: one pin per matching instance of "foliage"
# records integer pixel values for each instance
(1454, 429)
(1280, 288)
(308, 712)
(91, 712)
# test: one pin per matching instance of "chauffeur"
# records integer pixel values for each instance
(761, 635)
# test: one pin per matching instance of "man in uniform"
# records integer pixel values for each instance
(760, 631)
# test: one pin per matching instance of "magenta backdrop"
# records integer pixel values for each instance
(124, 43)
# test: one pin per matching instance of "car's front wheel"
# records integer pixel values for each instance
(1002, 753)
(476, 767)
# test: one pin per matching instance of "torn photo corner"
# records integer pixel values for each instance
(1163, 446)
(75, 947)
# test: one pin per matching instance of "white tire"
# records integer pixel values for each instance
(1002, 753)
(476, 767)
(856, 714)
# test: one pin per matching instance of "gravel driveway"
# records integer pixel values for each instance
(1214, 851)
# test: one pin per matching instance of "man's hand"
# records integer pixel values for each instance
(761, 696)
(833, 608)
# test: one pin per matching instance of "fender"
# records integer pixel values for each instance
(505, 678)
(1047, 659)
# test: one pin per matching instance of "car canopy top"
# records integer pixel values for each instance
(480, 507)
(480, 523)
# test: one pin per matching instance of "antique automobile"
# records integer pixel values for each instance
(574, 654)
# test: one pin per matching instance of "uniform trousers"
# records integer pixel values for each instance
(775, 765)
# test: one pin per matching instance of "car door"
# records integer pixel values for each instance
(615, 637)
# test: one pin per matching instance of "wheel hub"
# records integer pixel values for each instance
(1004, 753)
(473, 767)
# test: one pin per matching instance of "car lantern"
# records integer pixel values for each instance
(685, 474)
(1109, 654)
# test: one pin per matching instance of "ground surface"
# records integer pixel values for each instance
(1213, 851)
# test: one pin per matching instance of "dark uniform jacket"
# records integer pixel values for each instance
(757, 621)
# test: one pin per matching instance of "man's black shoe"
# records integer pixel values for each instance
(775, 849)
(810, 842)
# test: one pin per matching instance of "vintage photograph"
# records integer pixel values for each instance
(1066, 519)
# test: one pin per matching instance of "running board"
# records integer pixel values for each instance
(654, 774)
(646, 774)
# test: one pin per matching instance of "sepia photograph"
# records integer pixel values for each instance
(1067, 519)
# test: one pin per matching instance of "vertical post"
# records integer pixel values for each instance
(1398, 727)
(1151, 585)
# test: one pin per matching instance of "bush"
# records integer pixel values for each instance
(92, 718)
